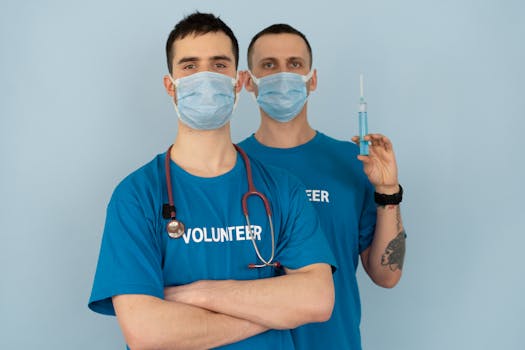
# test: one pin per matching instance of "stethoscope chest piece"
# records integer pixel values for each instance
(175, 229)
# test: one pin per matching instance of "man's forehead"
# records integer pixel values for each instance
(280, 46)
(203, 45)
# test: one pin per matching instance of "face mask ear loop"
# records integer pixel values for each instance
(234, 82)
(256, 82)
(308, 76)
(175, 83)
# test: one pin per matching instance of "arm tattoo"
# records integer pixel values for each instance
(395, 251)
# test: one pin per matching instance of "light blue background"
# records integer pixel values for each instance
(82, 105)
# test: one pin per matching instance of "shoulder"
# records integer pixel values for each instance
(335, 145)
(279, 183)
(142, 181)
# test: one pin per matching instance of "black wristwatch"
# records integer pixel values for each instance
(389, 199)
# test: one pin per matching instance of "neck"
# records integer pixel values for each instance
(294, 133)
(204, 153)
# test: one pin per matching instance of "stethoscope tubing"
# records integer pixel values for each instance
(176, 228)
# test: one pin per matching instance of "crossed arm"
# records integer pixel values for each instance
(151, 323)
(383, 260)
(207, 314)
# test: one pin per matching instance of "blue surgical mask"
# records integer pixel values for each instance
(205, 100)
(282, 95)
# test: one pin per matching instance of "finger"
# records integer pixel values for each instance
(364, 159)
(375, 139)
(357, 140)
(381, 141)
(375, 135)
(357, 137)
(387, 144)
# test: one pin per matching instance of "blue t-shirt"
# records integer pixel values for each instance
(138, 257)
(343, 196)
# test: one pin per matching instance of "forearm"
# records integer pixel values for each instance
(282, 302)
(151, 323)
(384, 259)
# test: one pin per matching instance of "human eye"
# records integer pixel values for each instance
(268, 65)
(189, 66)
(296, 64)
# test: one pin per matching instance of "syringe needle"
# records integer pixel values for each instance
(361, 84)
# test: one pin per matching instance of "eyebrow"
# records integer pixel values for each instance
(221, 58)
(293, 58)
(196, 59)
(268, 59)
(188, 59)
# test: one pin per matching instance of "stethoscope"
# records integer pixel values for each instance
(176, 227)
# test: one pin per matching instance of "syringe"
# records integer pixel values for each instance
(363, 121)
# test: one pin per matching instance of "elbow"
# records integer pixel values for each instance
(139, 341)
(389, 281)
(312, 301)
(151, 341)
(326, 313)
(320, 315)
(142, 337)
(136, 343)
(319, 309)
(386, 285)
(142, 342)
(323, 309)
(323, 300)
(141, 321)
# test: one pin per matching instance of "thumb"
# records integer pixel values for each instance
(364, 159)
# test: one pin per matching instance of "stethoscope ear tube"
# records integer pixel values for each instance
(174, 227)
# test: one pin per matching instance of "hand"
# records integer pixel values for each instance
(195, 293)
(183, 294)
(380, 165)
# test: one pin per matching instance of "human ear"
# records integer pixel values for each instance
(312, 84)
(249, 85)
(241, 77)
(168, 85)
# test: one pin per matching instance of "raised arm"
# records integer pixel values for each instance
(148, 322)
(301, 296)
(383, 260)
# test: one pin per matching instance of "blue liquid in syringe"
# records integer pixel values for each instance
(363, 129)
(363, 121)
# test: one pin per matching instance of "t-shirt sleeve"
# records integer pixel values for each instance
(302, 241)
(130, 259)
(367, 222)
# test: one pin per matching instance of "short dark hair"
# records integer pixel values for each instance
(199, 24)
(280, 28)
